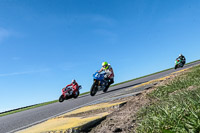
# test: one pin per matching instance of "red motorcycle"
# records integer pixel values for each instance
(67, 93)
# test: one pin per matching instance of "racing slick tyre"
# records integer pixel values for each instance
(76, 95)
(61, 98)
(93, 89)
(105, 90)
(176, 66)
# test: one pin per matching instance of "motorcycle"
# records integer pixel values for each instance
(99, 83)
(66, 93)
(178, 63)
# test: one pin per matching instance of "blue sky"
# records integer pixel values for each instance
(44, 44)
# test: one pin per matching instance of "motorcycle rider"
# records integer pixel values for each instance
(181, 57)
(74, 85)
(109, 76)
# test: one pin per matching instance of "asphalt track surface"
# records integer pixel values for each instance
(15, 122)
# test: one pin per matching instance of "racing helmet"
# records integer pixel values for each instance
(73, 81)
(105, 65)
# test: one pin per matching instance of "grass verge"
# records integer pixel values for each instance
(176, 106)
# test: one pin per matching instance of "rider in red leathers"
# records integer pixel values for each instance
(74, 85)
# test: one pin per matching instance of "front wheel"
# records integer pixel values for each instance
(93, 89)
(61, 98)
(176, 66)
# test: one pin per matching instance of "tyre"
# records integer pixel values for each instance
(93, 89)
(76, 95)
(105, 90)
(176, 66)
(182, 64)
(61, 98)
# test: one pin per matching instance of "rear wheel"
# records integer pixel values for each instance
(105, 90)
(61, 98)
(182, 64)
(93, 89)
(77, 94)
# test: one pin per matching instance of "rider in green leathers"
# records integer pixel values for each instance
(182, 58)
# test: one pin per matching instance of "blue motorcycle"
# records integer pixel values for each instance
(99, 83)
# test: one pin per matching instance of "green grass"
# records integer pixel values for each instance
(176, 106)
(84, 93)
(193, 62)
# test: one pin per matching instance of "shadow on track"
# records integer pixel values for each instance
(120, 88)
(109, 91)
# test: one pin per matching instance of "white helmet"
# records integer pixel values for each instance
(73, 81)
(180, 55)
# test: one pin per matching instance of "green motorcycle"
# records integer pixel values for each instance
(178, 63)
